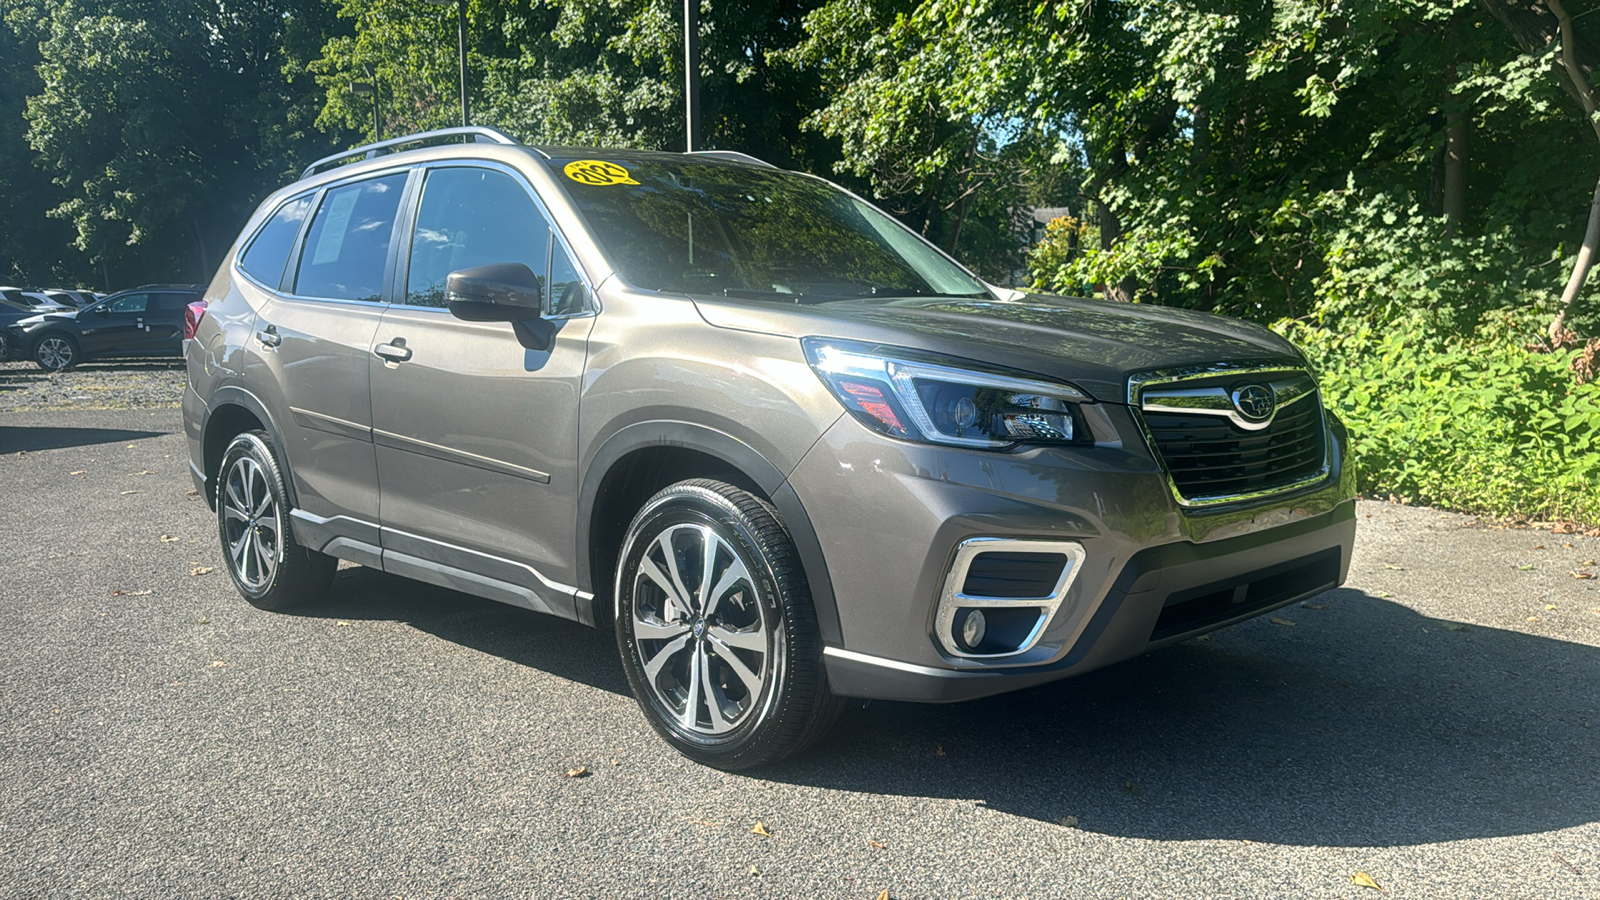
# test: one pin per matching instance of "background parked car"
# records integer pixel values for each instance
(39, 300)
(145, 321)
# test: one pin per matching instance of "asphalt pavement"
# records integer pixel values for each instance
(1434, 724)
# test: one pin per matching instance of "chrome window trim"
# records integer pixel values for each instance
(1142, 382)
(951, 597)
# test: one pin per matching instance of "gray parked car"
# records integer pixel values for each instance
(786, 448)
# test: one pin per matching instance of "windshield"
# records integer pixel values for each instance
(733, 230)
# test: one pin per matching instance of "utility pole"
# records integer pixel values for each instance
(461, 39)
(691, 73)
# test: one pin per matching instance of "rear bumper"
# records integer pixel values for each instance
(1163, 594)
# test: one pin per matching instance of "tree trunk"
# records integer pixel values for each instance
(1591, 235)
(200, 244)
(1580, 271)
(1457, 133)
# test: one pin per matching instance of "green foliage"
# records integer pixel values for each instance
(1477, 423)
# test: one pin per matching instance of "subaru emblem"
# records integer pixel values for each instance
(1255, 402)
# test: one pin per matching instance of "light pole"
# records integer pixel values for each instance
(362, 89)
(461, 39)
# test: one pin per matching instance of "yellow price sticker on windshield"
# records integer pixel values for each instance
(597, 171)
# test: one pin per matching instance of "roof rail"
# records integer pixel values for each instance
(478, 133)
(733, 155)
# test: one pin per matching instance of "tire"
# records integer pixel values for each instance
(54, 352)
(269, 569)
(736, 683)
(5, 345)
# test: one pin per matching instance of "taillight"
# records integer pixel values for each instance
(192, 314)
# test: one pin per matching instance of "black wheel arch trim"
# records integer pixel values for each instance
(233, 395)
(736, 453)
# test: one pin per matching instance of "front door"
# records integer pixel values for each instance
(476, 436)
(116, 328)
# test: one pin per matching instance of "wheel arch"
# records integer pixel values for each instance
(232, 412)
(640, 459)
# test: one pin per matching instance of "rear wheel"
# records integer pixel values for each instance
(268, 567)
(55, 352)
(716, 628)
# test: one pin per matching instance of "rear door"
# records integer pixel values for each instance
(163, 323)
(477, 436)
(317, 273)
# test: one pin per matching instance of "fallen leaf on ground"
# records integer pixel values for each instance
(200, 570)
(755, 871)
(1452, 626)
(1397, 568)
(1133, 787)
(170, 539)
(938, 749)
(217, 664)
(130, 492)
(761, 830)
(1068, 821)
(145, 472)
(1381, 594)
(192, 494)
(1538, 546)
(1549, 606)
(877, 845)
(1364, 880)
(1203, 637)
(1312, 606)
(1587, 562)
(616, 762)
(882, 895)
(579, 772)
(1524, 568)
(1582, 574)
(1277, 621)
(1533, 618)
(79, 472)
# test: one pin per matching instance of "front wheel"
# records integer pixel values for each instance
(55, 352)
(268, 567)
(716, 628)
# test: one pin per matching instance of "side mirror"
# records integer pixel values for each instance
(504, 292)
(101, 311)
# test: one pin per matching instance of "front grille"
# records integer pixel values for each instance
(1210, 456)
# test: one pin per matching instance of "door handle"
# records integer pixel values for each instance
(394, 351)
(269, 336)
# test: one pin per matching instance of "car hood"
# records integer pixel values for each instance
(1094, 344)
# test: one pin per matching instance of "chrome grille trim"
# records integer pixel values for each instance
(1172, 391)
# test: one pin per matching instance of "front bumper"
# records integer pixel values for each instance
(891, 516)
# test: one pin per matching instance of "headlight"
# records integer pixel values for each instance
(918, 397)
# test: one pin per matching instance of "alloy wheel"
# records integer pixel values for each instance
(55, 353)
(252, 527)
(704, 638)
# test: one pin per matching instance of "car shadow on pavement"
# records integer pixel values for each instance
(15, 438)
(1362, 724)
(560, 647)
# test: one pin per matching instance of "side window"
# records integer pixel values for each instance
(567, 296)
(348, 243)
(268, 254)
(472, 217)
(133, 303)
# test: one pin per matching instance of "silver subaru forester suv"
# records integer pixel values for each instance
(787, 449)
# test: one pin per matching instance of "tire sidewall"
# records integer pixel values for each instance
(682, 504)
(252, 445)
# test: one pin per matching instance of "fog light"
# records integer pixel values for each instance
(973, 628)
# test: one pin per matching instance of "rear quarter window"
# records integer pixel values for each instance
(268, 253)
